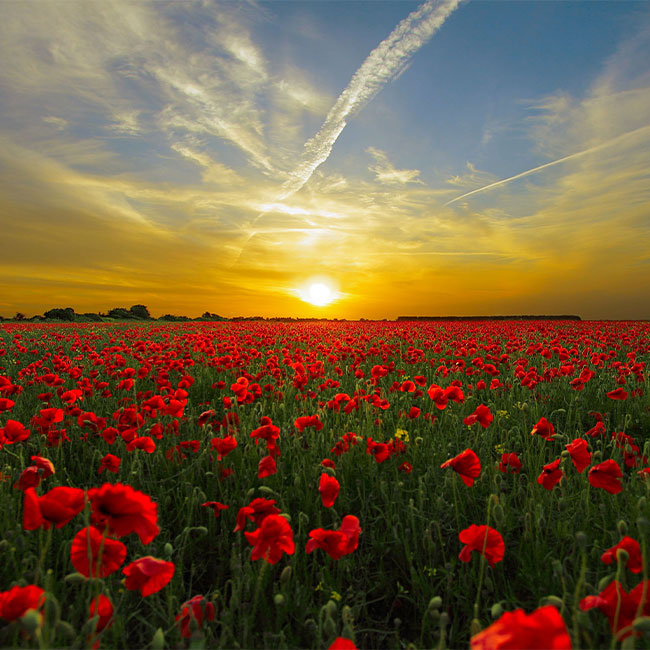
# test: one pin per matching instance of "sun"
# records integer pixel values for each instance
(319, 294)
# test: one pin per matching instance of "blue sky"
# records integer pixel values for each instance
(222, 156)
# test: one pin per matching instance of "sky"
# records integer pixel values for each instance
(483, 157)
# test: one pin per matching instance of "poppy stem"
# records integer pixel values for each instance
(41, 559)
(576, 598)
(492, 498)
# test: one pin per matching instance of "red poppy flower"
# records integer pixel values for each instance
(580, 456)
(58, 507)
(341, 643)
(148, 575)
(482, 415)
(438, 395)
(328, 487)
(110, 463)
(15, 602)
(551, 475)
(216, 506)
(634, 561)
(6, 404)
(12, 432)
(308, 421)
(124, 510)
(606, 475)
(273, 538)
(543, 629)
(145, 443)
(544, 429)
(257, 510)
(510, 463)
(29, 478)
(484, 539)
(619, 393)
(405, 467)
(619, 606)
(327, 462)
(266, 467)
(194, 609)
(44, 465)
(351, 528)
(101, 606)
(224, 446)
(333, 542)
(467, 465)
(85, 557)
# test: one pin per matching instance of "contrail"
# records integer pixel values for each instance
(382, 65)
(584, 152)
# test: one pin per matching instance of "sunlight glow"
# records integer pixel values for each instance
(319, 294)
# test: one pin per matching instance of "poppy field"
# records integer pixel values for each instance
(325, 485)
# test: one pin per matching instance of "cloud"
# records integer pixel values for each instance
(385, 63)
(385, 172)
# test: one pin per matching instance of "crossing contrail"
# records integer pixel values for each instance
(578, 154)
(382, 65)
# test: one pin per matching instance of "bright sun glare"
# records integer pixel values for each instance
(319, 294)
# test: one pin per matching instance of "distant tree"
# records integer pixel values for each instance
(89, 316)
(19, 316)
(140, 311)
(209, 316)
(66, 314)
(121, 314)
(174, 319)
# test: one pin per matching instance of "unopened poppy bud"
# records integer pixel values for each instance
(265, 489)
(622, 528)
(348, 633)
(285, 576)
(474, 627)
(565, 452)
(499, 513)
(330, 608)
(597, 455)
(168, 550)
(435, 603)
(553, 600)
(346, 615)
(418, 440)
(524, 407)
(286, 515)
(52, 611)
(397, 622)
(557, 568)
(604, 582)
(310, 625)
(329, 627)
(158, 641)
(66, 630)
(642, 623)
(278, 599)
(303, 518)
(496, 610)
(643, 525)
(581, 539)
(641, 503)
(622, 556)
(250, 493)
(31, 621)
(74, 578)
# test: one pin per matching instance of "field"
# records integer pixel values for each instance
(273, 485)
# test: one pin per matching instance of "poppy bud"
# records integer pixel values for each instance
(168, 550)
(52, 611)
(557, 568)
(435, 603)
(642, 623)
(604, 582)
(643, 525)
(397, 622)
(329, 627)
(496, 610)
(622, 556)
(475, 627)
(330, 608)
(285, 576)
(158, 641)
(310, 626)
(74, 578)
(553, 600)
(418, 440)
(348, 633)
(581, 539)
(641, 503)
(278, 599)
(66, 630)
(444, 620)
(265, 489)
(31, 621)
(499, 513)
(622, 528)
(250, 493)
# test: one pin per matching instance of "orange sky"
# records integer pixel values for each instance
(404, 157)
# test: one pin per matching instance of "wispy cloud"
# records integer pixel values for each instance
(386, 62)
(386, 173)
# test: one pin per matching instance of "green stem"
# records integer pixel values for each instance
(41, 559)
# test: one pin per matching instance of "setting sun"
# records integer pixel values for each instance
(319, 294)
